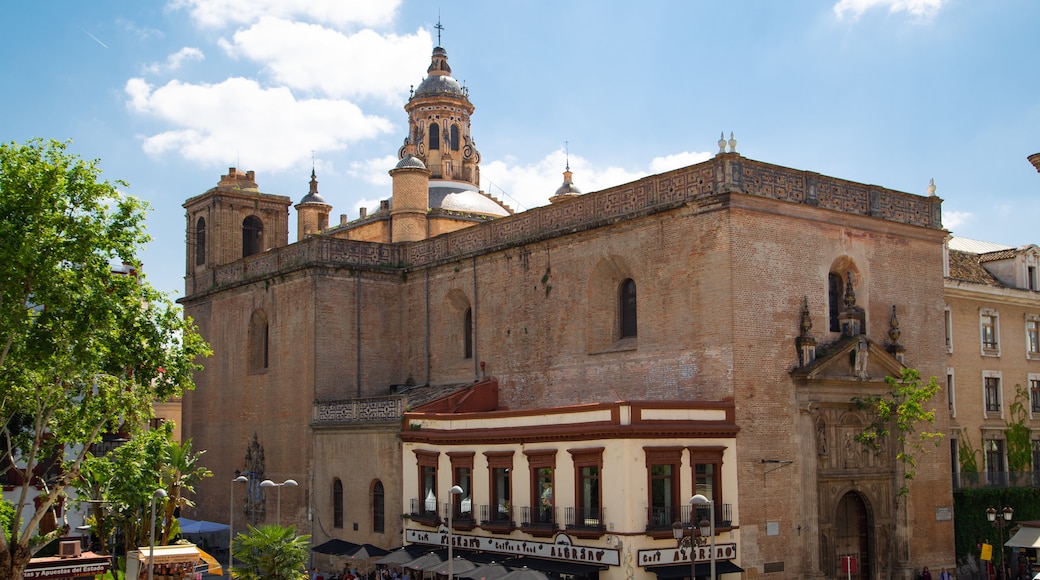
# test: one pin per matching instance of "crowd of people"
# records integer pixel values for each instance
(352, 573)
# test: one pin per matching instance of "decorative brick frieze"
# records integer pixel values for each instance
(715, 178)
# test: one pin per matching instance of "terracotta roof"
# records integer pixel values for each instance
(968, 267)
(1007, 254)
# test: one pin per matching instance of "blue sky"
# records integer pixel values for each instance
(168, 95)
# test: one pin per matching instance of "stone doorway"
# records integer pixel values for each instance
(852, 537)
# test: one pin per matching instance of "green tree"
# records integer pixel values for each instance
(119, 487)
(270, 553)
(84, 350)
(899, 413)
(1017, 434)
(179, 474)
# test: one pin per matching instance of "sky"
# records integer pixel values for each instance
(168, 94)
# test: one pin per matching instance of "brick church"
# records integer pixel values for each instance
(578, 371)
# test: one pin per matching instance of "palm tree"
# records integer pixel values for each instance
(270, 552)
(179, 474)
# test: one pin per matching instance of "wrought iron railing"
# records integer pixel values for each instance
(578, 518)
(543, 517)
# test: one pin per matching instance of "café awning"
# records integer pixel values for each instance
(170, 554)
(212, 565)
(1025, 538)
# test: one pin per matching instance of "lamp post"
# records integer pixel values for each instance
(455, 490)
(701, 500)
(1000, 523)
(287, 482)
(697, 538)
(151, 540)
(231, 520)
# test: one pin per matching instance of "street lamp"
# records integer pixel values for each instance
(455, 490)
(287, 482)
(701, 500)
(1000, 524)
(231, 520)
(151, 540)
(697, 538)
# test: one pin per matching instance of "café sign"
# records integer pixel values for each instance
(666, 556)
(561, 548)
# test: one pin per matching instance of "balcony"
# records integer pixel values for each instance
(996, 479)
(682, 514)
(539, 521)
(584, 522)
(424, 511)
(497, 518)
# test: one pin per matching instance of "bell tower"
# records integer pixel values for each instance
(231, 221)
(439, 124)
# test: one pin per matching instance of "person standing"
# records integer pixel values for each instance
(945, 575)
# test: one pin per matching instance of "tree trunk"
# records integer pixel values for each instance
(13, 562)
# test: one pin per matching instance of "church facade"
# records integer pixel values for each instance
(697, 332)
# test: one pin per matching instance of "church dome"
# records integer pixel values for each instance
(439, 80)
(410, 162)
(464, 197)
(439, 85)
(568, 188)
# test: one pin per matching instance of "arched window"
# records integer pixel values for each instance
(337, 504)
(252, 236)
(258, 341)
(467, 333)
(454, 137)
(200, 242)
(835, 291)
(628, 308)
(378, 509)
(435, 136)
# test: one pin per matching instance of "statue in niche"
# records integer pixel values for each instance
(860, 369)
(851, 452)
(821, 438)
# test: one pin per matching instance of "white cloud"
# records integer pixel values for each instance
(920, 8)
(525, 186)
(237, 118)
(374, 171)
(676, 161)
(175, 60)
(318, 59)
(222, 13)
(952, 220)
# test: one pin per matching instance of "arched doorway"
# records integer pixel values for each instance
(852, 537)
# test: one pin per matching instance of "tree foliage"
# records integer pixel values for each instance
(1017, 434)
(270, 552)
(899, 413)
(84, 349)
(178, 475)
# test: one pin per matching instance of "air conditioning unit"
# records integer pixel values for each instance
(69, 549)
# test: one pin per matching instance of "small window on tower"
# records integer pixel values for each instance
(200, 242)
(454, 137)
(435, 136)
(252, 236)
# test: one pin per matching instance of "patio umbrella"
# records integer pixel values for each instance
(404, 555)
(524, 573)
(365, 551)
(458, 565)
(425, 561)
(486, 572)
(336, 547)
